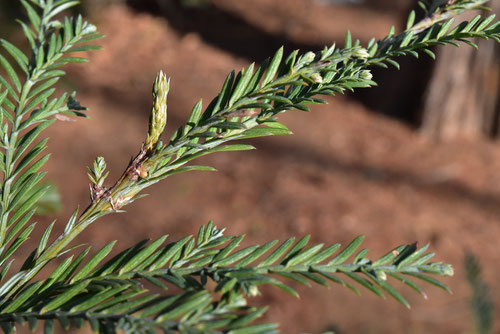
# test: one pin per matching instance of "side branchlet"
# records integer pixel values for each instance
(97, 175)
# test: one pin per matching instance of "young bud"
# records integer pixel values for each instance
(305, 60)
(446, 270)
(361, 53)
(253, 291)
(158, 118)
(88, 29)
(366, 75)
(308, 57)
(381, 275)
(316, 77)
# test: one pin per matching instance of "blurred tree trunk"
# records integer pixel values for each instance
(462, 99)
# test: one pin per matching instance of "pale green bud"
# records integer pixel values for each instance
(305, 60)
(253, 291)
(366, 74)
(316, 77)
(361, 53)
(446, 270)
(89, 29)
(158, 118)
(308, 57)
(381, 275)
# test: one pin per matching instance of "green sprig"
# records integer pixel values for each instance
(113, 293)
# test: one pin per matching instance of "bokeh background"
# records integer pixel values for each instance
(415, 159)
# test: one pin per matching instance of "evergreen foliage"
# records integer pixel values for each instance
(113, 294)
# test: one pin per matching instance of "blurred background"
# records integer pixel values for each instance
(415, 159)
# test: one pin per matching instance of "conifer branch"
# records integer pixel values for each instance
(114, 292)
(26, 109)
(246, 107)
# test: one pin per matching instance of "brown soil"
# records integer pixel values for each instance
(346, 171)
